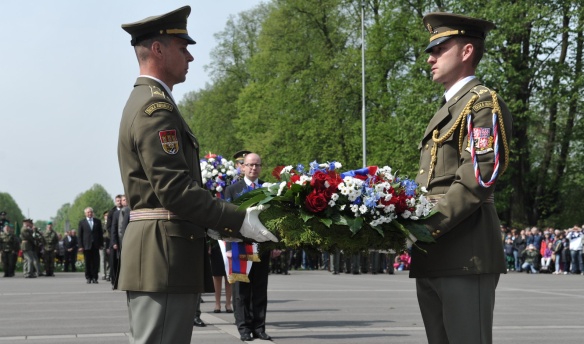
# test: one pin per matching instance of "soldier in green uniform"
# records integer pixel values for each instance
(51, 243)
(464, 149)
(9, 244)
(28, 249)
(164, 264)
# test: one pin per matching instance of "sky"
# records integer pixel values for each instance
(66, 71)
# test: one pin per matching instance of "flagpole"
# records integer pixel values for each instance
(363, 123)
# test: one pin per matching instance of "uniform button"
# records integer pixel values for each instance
(192, 237)
(422, 171)
(427, 146)
(438, 232)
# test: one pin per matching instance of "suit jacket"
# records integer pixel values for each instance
(467, 229)
(72, 243)
(159, 165)
(89, 236)
(234, 191)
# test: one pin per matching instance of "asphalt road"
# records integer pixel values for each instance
(304, 307)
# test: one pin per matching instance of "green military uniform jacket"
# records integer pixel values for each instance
(467, 229)
(28, 241)
(9, 242)
(159, 164)
(51, 240)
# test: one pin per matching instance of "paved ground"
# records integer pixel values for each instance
(304, 307)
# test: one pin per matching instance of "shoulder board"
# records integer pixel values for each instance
(156, 92)
(482, 92)
(158, 106)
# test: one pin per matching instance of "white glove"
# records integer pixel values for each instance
(252, 227)
(410, 240)
(213, 234)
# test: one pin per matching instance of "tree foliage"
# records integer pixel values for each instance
(287, 84)
(13, 212)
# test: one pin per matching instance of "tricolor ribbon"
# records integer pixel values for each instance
(239, 260)
(473, 155)
(362, 173)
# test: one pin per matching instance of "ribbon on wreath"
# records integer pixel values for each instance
(362, 173)
(238, 259)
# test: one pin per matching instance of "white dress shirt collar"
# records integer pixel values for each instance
(457, 87)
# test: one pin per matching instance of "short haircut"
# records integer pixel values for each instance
(142, 48)
(478, 45)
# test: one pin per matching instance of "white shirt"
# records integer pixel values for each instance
(457, 87)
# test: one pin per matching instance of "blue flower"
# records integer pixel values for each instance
(409, 186)
(300, 168)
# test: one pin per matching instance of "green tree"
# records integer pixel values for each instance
(13, 212)
(211, 112)
(61, 221)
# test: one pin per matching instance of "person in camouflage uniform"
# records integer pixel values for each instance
(51, 242)
(9, 245)
(28, 247)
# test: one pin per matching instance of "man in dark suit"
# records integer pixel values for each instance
(91, 241)
(71, 246)
(108, 255)
(461, 155)
(120, 220)
(164, 263)
(250, 300)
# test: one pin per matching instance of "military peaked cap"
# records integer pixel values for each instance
(240, 155)
(443, 26)
(171, 23)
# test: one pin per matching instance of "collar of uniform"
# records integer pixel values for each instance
(457, 87)
(162, 83)
(248, 181)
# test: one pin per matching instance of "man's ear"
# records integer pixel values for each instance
(156, 49)
(467, 51)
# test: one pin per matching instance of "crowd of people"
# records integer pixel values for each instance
(552, 250)
(43, 250)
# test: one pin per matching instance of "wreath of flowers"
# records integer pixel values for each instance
(217, 173)
(369, 208)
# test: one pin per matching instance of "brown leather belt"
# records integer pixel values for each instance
(152, 214)
(435, 198)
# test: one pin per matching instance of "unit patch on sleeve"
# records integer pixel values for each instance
(158, 106)
(483, 140)
(169, 141)
(482, 105)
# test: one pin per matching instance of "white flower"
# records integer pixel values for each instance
(335, 197)
(355, 209)
(219, 188)
(406, 214)
(215, 172)
(363, 209)
(338, 165)
(342, 207)
(287, 169)
(331, 203)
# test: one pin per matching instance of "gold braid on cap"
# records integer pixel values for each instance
(460, 121)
